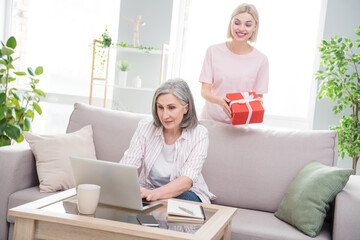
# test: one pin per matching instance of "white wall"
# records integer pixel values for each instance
(342, 18)
(157, 15)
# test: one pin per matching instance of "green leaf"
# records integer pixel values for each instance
(41, 93)
(13, 131)
(4, 141)
(10, 66)
(15, 101)
(16, 96)
(2, 112)
(36, 81)
(6, 51)
(3, 124)
(10, 79)
(11, 42)
(30, 71)
(30, 113)
(27, 122)
(20, 139)
(2, 98)
(20, 73)
(21, 110)
(39, 70)
(37, 108)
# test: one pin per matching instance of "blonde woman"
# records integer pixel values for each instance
(234, 66)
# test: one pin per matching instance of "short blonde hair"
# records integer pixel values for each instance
(245, 8)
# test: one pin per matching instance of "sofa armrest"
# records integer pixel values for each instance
(17, 168)
(17, 171)
(347, 211)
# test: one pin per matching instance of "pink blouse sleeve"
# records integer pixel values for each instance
(206, 75)
(262, 78)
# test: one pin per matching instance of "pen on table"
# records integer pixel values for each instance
(186, 210)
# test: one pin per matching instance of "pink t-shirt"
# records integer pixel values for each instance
(228, 72)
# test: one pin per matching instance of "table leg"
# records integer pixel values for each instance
(227, 232)
(24, 229)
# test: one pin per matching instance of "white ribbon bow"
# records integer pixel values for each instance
(247, 99)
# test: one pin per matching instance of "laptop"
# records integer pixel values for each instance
(119, 183)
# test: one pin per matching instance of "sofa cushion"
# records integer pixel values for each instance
(112, 130)
(52, 156)
(258, 225)
(253, 166)
(309, 196)
(24, 196)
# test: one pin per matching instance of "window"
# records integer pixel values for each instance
(288, 35)
(58, 34)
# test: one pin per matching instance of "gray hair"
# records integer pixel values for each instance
(181, 90)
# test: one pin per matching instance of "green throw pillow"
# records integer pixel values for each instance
(309, 196)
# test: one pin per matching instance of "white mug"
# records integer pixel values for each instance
(88, 198)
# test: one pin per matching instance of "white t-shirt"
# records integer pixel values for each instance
(163, 166)
(228, 72)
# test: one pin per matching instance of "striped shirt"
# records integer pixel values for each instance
(190, 154)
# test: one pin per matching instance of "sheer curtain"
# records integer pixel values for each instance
(288, 35)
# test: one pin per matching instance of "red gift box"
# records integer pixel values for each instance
(245, 108)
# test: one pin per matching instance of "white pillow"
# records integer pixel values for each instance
(52, 156)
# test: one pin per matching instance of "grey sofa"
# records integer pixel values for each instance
(248, 167)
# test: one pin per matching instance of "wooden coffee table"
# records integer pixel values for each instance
(55, 217)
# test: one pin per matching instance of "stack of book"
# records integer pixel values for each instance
(178, 211)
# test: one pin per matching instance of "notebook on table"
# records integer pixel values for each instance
(119, 183)
(178, 211)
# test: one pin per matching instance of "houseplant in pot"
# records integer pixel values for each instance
(123, 67)
(17, 107)
(340, 82)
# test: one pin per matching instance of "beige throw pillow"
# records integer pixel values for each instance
(52, 156)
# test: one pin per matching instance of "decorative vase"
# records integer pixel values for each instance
(137, 82)
(122, 78)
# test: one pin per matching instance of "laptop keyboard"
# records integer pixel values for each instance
(145, 203)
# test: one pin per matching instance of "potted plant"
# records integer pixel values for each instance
(17, 107)
(105, 38)
(123, 66)
(100, 49)
(340, 82)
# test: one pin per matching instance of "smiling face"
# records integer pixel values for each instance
(243, 26)
(170, 111)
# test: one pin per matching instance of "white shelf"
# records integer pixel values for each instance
(165, 56)
(138, 50)
(126, 88)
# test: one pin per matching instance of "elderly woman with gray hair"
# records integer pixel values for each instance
(171, 148)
